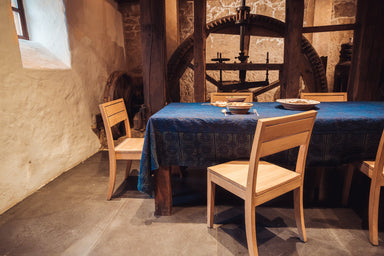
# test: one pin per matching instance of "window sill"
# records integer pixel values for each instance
(36, 56)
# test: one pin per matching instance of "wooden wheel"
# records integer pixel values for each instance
(312, 69)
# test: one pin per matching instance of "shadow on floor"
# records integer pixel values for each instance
(71, 216)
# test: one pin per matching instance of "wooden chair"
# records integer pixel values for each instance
(222, 96)
(324, 96)
(327, 97)
(113, 113)
(257, 181)
(375, 171)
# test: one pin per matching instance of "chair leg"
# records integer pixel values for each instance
(176, 170)
(250, 228)
(128, 169)
(112, 178)
(211, 187)
(373, 213)
(347, 184)
(299, 212)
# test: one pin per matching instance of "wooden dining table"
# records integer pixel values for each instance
(201, 135)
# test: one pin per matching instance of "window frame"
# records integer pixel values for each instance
(20, 11)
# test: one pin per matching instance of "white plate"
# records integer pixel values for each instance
(298, 104)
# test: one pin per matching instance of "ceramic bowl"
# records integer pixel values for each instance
(239, 107)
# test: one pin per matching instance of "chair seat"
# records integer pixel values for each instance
(367, 168)
(130, 147)
(269, 176)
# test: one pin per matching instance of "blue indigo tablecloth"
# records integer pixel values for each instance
(200, 135)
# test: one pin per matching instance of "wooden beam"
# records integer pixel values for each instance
(153, 42)
(172, 25)
(294, 14)
(366, 79)
(208, 77)
(251, 31)
(247, 41)
(199, 50)
(266, 88)
(329, 28)
(243, 66)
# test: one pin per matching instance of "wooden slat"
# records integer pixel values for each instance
(114, 108)
(281, 130)
(277, 191)
(222, 96)
(117, 118)
(278, 145)
(325, 96)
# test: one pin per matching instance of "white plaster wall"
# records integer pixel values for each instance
(46, 115)
(47, 25)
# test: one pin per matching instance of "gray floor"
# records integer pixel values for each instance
(70, 216)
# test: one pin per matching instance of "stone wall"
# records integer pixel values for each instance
(132, 36)
(47, 115)
(317, 12)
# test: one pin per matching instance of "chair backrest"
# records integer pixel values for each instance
(278, 134)
(325, 96)
(378, 170)
(113, 113)
(222, 96)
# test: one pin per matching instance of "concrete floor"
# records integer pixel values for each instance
(70, 216)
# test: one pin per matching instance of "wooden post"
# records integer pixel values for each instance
(153, 42)
(172, 25)
(294, 14)
(163, 192)
(199, 37)
(366, 79)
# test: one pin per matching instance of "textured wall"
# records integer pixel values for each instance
(47, 115)
(132, 34)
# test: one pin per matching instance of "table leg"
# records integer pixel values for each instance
(163, 192)
(347, 184)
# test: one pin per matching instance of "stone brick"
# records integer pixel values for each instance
(344, 9)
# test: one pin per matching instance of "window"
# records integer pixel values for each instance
(46, 45)
(19, 17)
